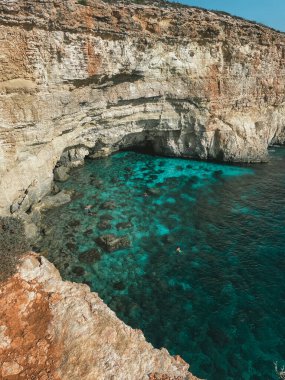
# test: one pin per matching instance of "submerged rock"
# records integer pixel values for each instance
(106, 217)
(193, 179)
(74, 223)
(96, 183)
(90, 213)
(104, 225)
(77, 195)
(90, 256)
(217, 174)
(88, 232)
(115, 180)
(71, 246)
(153, 191)
(78, 271)
(113, 243)
(119, 285)
(110, 205)
(123, 225)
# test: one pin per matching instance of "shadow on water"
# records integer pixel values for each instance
(220, 302)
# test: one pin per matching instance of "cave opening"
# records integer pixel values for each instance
(144, 142)
(144, 147)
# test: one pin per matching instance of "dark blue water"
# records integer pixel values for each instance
(220, 303)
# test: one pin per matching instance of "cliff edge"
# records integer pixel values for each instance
(56, 330)
(87, 78)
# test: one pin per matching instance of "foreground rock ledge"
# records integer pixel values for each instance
(52, 329)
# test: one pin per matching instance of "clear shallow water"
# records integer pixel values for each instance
(220, 303)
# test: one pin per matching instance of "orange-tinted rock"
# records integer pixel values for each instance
(78, 80)
(55, 330)
(25, 316)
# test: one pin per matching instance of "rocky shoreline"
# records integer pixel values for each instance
(54, 330)
(88, 80)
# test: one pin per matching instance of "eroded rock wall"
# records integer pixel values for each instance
(106, 76)
(50, 329)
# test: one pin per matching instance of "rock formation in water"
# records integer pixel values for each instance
(50, 329)
(91, 77)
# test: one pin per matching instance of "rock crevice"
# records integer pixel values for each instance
(108, 76)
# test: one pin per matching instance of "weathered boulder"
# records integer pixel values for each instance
(73, 157)
(51, 201)
(61, 174)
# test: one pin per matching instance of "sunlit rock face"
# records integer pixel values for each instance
(90, 80)
(51, 329)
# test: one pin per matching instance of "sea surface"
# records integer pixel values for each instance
(219, 301)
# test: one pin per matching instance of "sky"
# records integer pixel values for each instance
(268, 12)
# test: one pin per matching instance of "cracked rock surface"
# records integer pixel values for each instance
(56, 330)
(89, 80)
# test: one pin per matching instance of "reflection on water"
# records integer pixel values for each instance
(219, 303)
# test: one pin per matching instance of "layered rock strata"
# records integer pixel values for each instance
(78, 80)
(50, 329)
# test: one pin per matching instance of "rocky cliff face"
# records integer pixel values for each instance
(50, 329)
(80, 80)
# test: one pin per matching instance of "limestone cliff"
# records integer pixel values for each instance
(50, 329)
(92, 79)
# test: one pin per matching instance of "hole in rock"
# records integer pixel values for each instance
(146, 147)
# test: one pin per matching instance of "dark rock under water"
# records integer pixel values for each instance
(219, 300)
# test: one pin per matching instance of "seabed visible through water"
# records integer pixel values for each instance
(220, 302)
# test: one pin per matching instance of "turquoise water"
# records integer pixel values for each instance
(220, 303)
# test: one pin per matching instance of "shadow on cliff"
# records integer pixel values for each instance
(13, 245)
